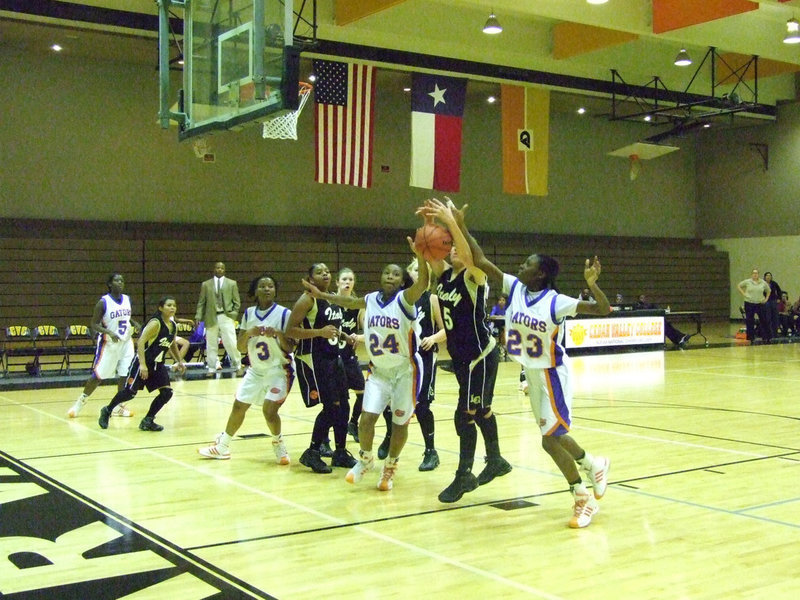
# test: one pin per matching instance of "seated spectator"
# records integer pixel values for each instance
(586, 295)
(673, 334)
(785, 315)
(496, 325)
(794, 315)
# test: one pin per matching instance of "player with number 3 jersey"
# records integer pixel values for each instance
(270, 375)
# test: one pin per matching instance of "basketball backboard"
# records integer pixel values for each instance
(240, 64)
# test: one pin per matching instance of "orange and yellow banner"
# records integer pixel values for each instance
(526, 139)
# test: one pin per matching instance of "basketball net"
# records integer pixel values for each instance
(284, 127)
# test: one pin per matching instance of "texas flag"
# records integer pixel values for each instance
(437, 104)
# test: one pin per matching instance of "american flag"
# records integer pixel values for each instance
(344, 97)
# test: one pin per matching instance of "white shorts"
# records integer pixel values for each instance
(112, 358)
(396, 387)
(550, 393)
(274, 386)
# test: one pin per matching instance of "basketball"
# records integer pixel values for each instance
(433, 242)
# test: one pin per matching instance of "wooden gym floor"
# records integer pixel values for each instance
(703, 502)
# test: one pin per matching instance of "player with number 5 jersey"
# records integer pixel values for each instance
(112, 321)
(391, 335)
(270, 375)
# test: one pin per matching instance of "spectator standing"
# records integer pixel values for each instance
(771, 305)
(755, 291)
(218, 307)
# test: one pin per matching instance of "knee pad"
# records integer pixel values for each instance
(463, 421)
(165, 394)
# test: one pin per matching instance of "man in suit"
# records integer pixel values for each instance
(218, 308)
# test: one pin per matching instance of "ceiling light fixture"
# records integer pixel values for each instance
(581, 110)
(56, 48)
(597, 1)
(491, 99)
(492, 25)
(683, 59)
(792, 32)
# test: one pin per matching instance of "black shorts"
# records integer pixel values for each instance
(324, 382)
(157, 377)
(354, 374)
(476, 384)
(428, 383)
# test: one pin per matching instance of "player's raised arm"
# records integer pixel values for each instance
(494, 274)
(601, 306)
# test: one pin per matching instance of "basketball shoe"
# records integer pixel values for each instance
(584, 509)
(598, 473)
(311, 459)
(120, 410)
(281, 454)
(148, 424)
(464, 482)
(495, 467)
(215, 451)
(364, 464)
(385, 482)
(76, 408)
(383, 449)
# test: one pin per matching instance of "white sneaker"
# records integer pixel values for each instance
(120, 410)
(356, 474)
(215, 451)
(523, 386)
(279, 448)
(585, 508)
(385, 482)
(599, 474)
(76, 408)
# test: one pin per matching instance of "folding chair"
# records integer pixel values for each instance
(49, 344)
(19, 342)
(79, 346)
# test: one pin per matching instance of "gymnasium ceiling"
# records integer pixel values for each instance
(570, 38)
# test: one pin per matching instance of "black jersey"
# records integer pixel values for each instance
(155, 351)
(349, 327)
(463, 305)
(321, 314)
(425, 320)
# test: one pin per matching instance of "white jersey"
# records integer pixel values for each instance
(534, 320)
(391, 331)
(265, 352)
(117, 317)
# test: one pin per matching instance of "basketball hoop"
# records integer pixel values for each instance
(284, 127)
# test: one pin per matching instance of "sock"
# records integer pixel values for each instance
(585, 461)
(82, 398)
(578, 489)
(225, 440)
(365, 456)
(391, 462)
(277, 438)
